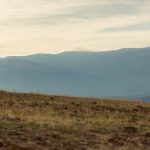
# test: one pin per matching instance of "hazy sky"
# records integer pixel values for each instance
(52, 26)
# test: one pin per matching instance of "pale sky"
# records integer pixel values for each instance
(53, 26)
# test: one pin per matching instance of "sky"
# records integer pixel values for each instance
(53, 26)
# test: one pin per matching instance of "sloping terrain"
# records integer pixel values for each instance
(121, 73)
(41, 122)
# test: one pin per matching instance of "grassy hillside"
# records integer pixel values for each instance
(40, 122)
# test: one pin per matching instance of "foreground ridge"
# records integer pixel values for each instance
(42, 122)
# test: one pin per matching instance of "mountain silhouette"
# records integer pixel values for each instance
(118, 73)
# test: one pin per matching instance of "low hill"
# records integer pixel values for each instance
(120, 73)
(42, 122)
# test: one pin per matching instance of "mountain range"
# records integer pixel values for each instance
(119, 73)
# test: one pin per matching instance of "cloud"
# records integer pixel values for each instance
(135, 27)
(52, 12)
(30, 26)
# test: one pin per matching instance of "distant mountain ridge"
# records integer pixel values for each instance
(119, 73)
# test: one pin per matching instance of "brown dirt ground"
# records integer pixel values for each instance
(19, 133)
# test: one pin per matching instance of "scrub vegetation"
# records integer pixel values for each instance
(41, 122)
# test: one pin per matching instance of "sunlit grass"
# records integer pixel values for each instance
(74, 113)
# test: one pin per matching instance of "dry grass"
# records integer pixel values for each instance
(82, 115)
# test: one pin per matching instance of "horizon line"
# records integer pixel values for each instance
(75, 50)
